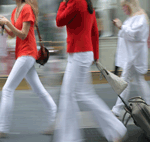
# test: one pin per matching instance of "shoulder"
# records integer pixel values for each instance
(12, 14)
(77, 2)
(139, 18)
(27, 8)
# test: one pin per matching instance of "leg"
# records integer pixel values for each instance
(110, 126)
(142, 87)
(68, 127)
(127, 75)
(50, 106)
(19, 70)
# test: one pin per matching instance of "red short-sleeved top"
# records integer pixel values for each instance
(28, 45)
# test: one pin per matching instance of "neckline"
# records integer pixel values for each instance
(18, 15)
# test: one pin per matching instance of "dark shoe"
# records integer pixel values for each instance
(3, 135)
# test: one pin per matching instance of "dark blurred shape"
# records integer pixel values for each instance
(2, 29)
(6, 2)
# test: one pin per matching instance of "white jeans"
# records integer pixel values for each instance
(23, 67)
(141, 86)
(77, 86)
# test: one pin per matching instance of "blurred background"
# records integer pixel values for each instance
(54, 38)
(29, 117)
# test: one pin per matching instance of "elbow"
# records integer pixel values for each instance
(58, 24)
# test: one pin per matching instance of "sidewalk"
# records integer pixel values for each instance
(29, 117)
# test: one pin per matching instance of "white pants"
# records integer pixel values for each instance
(23, 67)
(77, 86)
(141, 86)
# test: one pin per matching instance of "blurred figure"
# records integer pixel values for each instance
(24, 16)
(3, 52)
(83, 48)
(132, 50)
(99, 24)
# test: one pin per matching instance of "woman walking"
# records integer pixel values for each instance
(83, 48)
(23, 18)
(133, 37)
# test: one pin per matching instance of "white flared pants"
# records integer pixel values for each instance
(77, 86)
(142, 88)
(24, 68)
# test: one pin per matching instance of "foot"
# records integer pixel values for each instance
(3, 135)
(48, 132)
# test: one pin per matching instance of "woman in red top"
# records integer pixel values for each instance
(23, 18)
(83, 48)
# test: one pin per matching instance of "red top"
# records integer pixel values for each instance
(82, 31)
(28, 45)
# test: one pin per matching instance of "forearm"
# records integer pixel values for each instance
(15, 31)
(9, 32)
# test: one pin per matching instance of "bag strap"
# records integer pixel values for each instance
(135, 98)
(40, 39)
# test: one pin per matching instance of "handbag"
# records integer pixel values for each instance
(139, 111)
(117, 83)
(43, 53)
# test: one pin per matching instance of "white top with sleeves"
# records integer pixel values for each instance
(132, 44)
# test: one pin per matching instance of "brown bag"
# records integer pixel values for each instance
(43, 53)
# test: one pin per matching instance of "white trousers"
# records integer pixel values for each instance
(77, 86)
(142, 88)
(23, 67)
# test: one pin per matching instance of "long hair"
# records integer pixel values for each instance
(34, 6)
(135, 7)
(90, 6)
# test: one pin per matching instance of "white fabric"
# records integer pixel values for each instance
(141, 86)
(24, 67)
(77, 86)
(132, 44)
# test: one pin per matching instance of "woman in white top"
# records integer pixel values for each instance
(133, 37)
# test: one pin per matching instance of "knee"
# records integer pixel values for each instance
(7, 92)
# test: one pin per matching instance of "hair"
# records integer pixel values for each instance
(34, 6)
(90, 6)
(134, 6)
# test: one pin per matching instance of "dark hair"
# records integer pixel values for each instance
(90, 6)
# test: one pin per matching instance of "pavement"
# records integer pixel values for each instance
(29, 117)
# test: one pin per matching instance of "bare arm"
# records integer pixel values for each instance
(9, 32)
(22, 34)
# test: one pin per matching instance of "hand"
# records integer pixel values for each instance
(64, 0)
(95, 61)
(117, 23)
(3, 20)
